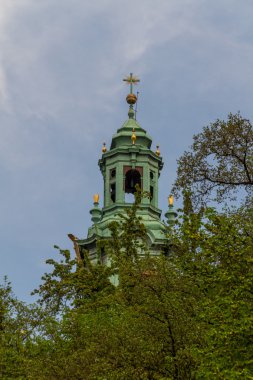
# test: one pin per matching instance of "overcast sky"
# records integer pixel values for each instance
(61, 95)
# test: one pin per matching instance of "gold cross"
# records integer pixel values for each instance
(131, 80)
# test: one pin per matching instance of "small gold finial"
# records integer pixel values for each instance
(96, 198)
(133, 137)
(104, 148)
(171, 200)
(157, 151)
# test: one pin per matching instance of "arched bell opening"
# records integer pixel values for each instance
(132, 178)
(113, 185)
(152, 187)
(113, 192)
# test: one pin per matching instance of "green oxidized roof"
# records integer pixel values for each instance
(123, 135)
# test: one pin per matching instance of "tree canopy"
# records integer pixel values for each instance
(186, 315)
(220, 162)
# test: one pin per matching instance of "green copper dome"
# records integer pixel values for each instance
(123, 136)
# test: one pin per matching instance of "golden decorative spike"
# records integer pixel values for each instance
(96, 198)
(104, 148)
(133, 137)
(171, 200)
(157, 151)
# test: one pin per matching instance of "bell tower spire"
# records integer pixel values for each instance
(128, 162)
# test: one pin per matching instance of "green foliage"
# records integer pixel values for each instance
(13, 333)
(184, 316)
(220, 161)
(218, 255)
(72, 284)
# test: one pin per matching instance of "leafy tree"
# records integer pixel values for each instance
(13, 332)
(187, 315)
(144, 328)
(229, 305)
(71, 284)
(154, 294)
(218, 256)
(220, 161)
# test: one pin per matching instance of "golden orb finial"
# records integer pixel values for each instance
(157, 151)
(104, 148)
(131, 99)
(96, 198)
(133, 137)
(171, 200)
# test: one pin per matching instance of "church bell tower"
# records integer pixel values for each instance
(128, 162)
